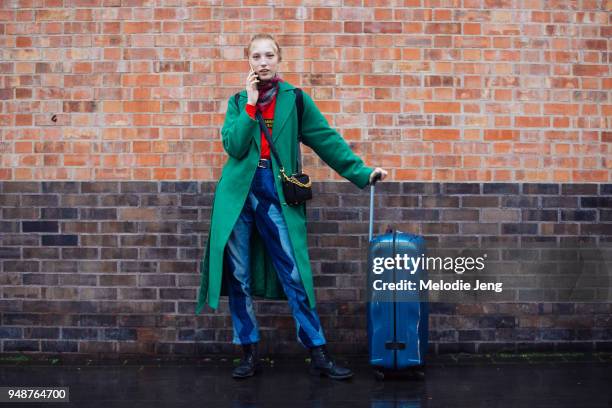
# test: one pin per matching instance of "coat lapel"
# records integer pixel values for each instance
(285, 103)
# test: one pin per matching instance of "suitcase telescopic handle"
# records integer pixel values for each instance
(371, 226)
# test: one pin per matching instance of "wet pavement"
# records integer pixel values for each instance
(572, 380)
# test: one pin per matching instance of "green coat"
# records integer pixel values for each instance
(241, 141)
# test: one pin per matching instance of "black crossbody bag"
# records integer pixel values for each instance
(297, 188)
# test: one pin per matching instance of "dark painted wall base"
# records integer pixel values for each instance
(112, 267)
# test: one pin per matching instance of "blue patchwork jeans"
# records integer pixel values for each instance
(262, 209)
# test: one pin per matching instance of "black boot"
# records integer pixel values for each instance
(249, 363)
(322, 364)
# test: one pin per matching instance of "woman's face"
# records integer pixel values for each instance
(264, 58)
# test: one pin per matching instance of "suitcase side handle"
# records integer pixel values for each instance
(377, 177)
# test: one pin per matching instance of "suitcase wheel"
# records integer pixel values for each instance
(414, 374)
(418, 374)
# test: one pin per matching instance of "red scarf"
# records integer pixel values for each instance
(267, 91)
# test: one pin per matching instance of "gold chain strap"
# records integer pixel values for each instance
(295, 181)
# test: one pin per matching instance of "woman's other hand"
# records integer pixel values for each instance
(378, 170)
(251, 87)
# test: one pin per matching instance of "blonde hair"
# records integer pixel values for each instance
(263, 36)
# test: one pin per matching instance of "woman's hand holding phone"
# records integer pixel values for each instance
(251, 87)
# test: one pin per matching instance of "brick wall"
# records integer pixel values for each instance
(110, 90)
(110, 267)
(110, 114)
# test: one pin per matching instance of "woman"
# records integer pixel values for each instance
(257, 243)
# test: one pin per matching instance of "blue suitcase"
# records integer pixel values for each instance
(397, 320)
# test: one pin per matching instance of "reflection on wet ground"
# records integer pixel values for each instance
(286, 383)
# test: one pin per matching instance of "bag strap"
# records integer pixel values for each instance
(236, 97)
(299, 104)
(266, 133)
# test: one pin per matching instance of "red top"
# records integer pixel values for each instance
(268, 115)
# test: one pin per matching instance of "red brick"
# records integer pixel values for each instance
(442, 107)
(590, 70)
(441, 134)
